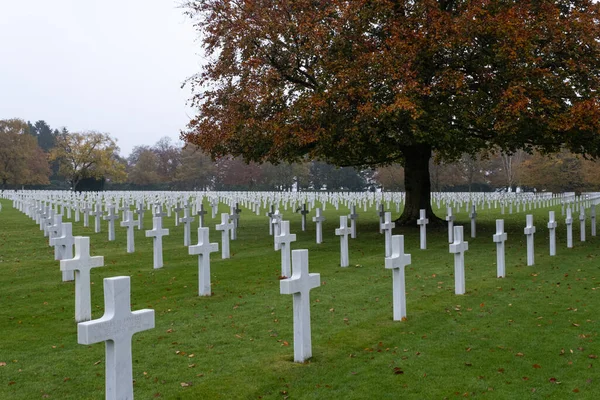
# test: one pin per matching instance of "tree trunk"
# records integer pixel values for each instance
(418, 186)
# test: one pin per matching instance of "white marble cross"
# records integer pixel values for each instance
(552, 233)
(300, 285)
(450, 219)
(117, 327)
(187, 227)
(284, 240)
(529, 231)
(396, 262)
(569, 223)
(593, 219)
(473, 217)
(381, 214)
(203, 250)
(422, 222)
(87, 209)
(353, 217)
(81, 264)
(65, 241)
(157, 234)
(201, 213)
(97, 214)
(54, 230)
(177, 210)
(343, 231)
(499, 238)
(140, 212)
(224, 227)
(130, 223)
(233, 217)
(111, 218)
(276, 219)
(386, 227)
(319, 219)
(582, 223)
(303, 212)
(458, 248)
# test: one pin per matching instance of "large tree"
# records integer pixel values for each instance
(378, 82)
(87, 155)
(22, 161)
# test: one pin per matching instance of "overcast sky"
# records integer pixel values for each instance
(113, 66)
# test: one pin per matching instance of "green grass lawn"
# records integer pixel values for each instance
(533, 334)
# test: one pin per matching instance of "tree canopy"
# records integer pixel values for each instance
(87, 155)
(377, 82)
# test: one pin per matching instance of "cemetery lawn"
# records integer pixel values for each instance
(533, 334)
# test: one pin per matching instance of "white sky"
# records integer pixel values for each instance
(113, 66)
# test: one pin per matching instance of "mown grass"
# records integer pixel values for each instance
(532, 334)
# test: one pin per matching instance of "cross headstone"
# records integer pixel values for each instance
(81, 265)
(177, 210)
(473, 217)
(381, 214)
(582, 223)
(343, 231)
(276, 222)
(303, 212)
(187, 226)
(224, 227)
(97, 214)
(450, 219)
(140, 212)
(201, 213)
(319, 219)
(300, 285)
(233, 217)
(593, 219)
(422, 222)
(396, 262)
(111, 218)
(157, 234)
(116, 328)
(203, 250)
(386, 227)
(65, 241)
(270, 215)
(284, 240)
(353, 217)
(569, 223)
(499, 238)
(458, 248)
(552, 233)
(130, 223)
(529, 231)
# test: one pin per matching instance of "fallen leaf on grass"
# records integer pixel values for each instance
(2, 364)
(398, 371)
(592, 356)
(519, 354)
(285, 343)
(537, 366)
(97, 362)
(186, 384)
(575, 390)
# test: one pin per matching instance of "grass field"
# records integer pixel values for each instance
(533, 334)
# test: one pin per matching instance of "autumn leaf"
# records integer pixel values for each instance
(186, 384)
(537, 366)
(519, 354)
(2, 364)
(398, 371)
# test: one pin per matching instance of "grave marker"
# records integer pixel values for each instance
(81, 265)
(203, 250)
(130, 223)
(157, 234)
(116, 328)
(458, 248)
(422, 222)
(343, 231)
(499, 238)
(284, 240)
(224, 227)
(300, 285)
(529, 232)
(396, 262)
(552, 231)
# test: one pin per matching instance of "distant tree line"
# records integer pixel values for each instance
(35, 156)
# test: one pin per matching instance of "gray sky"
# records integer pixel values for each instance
(113, 66)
